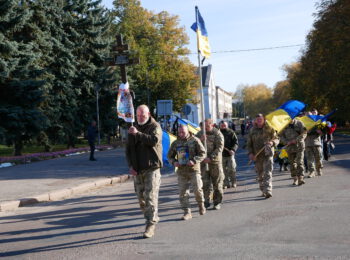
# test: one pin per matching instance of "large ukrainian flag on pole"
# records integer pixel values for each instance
(202, 35)
(283, 115)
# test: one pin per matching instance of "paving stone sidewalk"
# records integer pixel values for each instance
(60, 178)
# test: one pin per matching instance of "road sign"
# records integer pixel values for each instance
(164, 107)
(186, 109)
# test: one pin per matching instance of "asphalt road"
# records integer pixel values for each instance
(307, 222)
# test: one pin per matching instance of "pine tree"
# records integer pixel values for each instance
(92, 45)
(21, 90)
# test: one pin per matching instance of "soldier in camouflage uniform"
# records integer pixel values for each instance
(214, 175)
(294, 137)
(313, 150)
(228, 155)
(186, 153)
(262, 139)
(144, 156)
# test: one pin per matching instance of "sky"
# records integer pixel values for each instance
(235, 25)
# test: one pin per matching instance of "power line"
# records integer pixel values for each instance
(239, 50)
(259, 49)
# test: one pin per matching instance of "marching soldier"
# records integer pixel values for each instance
(215, 174)
(262, 139)
(186, 153)
(144, 156)
(294, 137)
(228, 155)
(313, 152)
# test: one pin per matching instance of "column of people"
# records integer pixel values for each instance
(212, 169)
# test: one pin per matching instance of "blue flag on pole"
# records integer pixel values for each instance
(202, 35)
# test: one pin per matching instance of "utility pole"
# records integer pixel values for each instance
(98, 114)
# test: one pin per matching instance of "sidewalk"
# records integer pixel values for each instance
(60, 178)
(64, 177)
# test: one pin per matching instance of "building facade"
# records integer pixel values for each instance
(223, 104)
(217, 102)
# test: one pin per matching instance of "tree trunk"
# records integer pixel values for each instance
(18, 147)
(70, 143)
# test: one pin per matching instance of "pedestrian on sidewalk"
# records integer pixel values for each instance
(144, 157)
(262, 138)
(294, 137)
(213, 175)
(186, 153)
(91, 136)
(228, 155)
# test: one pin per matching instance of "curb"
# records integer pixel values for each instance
(62, 194)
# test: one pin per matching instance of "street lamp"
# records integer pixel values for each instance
(97, 88)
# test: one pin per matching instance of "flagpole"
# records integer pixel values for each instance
(201, 90)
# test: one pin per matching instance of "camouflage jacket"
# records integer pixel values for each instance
(258, 137)
(215, 145)
(183, 150)
(313, 138)
(294, 131)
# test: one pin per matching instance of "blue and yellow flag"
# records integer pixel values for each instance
(167, 140)
(202, 35)
(283, 115)
(310, 121)
(193, 128)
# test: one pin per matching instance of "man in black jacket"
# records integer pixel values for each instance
(228, 155)
(144, 156)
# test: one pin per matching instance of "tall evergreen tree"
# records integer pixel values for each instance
(21, 91)
(92, 46)
(52, 27)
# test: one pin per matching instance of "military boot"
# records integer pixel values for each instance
(311, 175)
(268, 194)
(206, 204)
(319, 172)
(187, 215)
(295, 182)
(217, 206)
(202, 209)
(149, 232)
(234, 184)
(301, 180)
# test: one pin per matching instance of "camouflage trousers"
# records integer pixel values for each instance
(185, 179)
(215, 176)
(264, 168)
(314, 158)
(229, 167)
(147, 185)
(296, 161)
